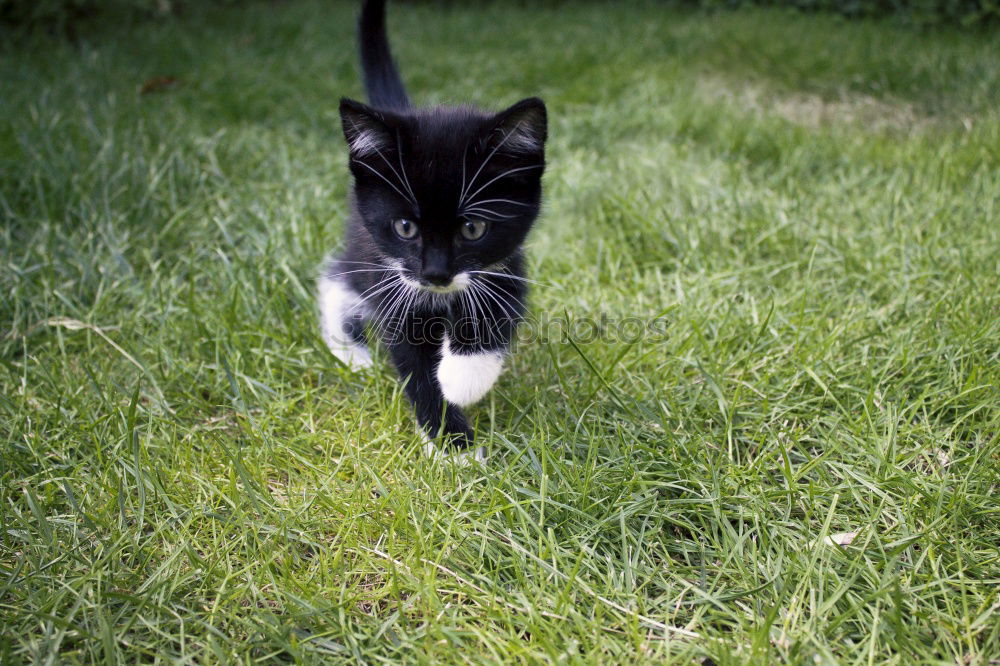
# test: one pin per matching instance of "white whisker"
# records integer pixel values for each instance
(461, 190)
(494, 318)
(507, 308)
(411, 302)
(388, 182)
(388, 302)
(359, 270)
(504, 175)
(505, 295)
(376, 289)
(474, 312)
(486, 213)
(360, 263)
(462, 197)
(402, 169)
(392, 321)
(370, 145)
(483, 309)
(506, 201)
(509, 275)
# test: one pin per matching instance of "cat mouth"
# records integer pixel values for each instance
(438, 289)
(458, 283)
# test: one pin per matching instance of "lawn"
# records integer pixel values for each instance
(796, 458)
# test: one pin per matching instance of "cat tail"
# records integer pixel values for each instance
(382, 82)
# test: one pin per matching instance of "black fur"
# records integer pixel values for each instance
(438, 168)
(382, 82)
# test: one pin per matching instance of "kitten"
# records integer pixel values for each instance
(442, 201)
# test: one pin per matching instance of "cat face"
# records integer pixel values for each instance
(443, 192)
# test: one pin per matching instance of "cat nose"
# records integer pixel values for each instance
(437, 278)
(435, 266)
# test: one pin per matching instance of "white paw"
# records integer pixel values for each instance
(459, 459)
(338, 302)
(354, 357)
(465, 378)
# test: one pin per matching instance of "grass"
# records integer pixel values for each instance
(807, 208)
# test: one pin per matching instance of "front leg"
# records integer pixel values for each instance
(415, 361)
(477, 342)
(465, 373)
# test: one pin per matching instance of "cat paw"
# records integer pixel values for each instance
(465, 378)
(458, 458)
(339, 311)
(354, 357)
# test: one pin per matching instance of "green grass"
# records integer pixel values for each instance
(811, 207)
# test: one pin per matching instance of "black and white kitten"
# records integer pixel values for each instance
(443, 199)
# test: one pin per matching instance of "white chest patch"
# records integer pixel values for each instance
(465, 378)
(337, 303)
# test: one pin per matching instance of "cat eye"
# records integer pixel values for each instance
(405, 229)
(473, 229)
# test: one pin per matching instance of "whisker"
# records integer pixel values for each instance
(399, 178)
(410, 303)
(473, 309)
(388, 182)
(506, 201)
(511, 276)
(467, 308)
(506, 308)
(399, 154)
(386, 280)
(505, 174)
(486, 213)
(392, 320)
(358, 270)
(496, 317)
(484, 310)
(360, 263)
(388, 302)
(462, 197)
(411, 298)
(384, 315)
(379, 288)
(412, 198)
(507, 296)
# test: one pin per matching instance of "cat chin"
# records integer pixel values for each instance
(458, 283)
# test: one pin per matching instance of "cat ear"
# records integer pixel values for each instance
(521, 130)
(365, 129)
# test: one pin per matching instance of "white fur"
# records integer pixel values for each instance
(465, 378)
(365, 143)
(458, 283)
(523, 140)
(460, 459)
(338, 302)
